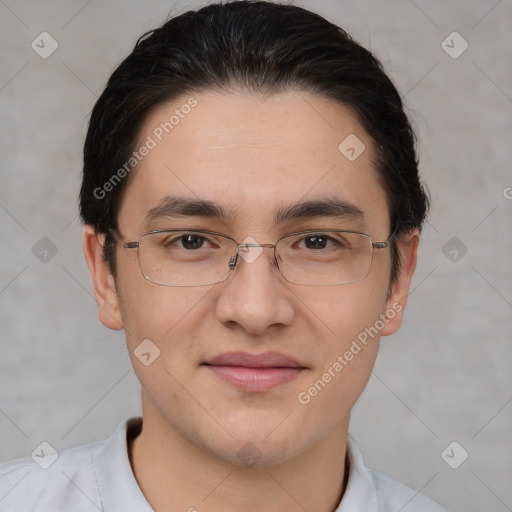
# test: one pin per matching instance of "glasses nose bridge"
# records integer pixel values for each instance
(234, 260)
(263, 246)
(256, 245)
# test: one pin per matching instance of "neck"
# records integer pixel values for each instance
(173, 470)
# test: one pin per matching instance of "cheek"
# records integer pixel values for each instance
(174, 320)
(327, 400)
(160, 314)
(345, 311)
(161, 322)
(150, 310)
(352, 316)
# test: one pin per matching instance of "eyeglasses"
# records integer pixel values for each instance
(189, 257)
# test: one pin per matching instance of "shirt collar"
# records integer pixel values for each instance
(120, 491)
(360, 493)
(117, 485)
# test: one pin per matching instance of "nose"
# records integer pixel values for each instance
(255, 297)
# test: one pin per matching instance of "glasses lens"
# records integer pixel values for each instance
(185, 258)
(325, 257)
(200, 258)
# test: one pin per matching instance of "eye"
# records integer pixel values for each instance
(188, 241)
(318, 241)
(192, 241)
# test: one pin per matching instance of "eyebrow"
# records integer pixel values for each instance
(323, 207)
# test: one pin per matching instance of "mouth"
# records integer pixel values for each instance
(254, 372)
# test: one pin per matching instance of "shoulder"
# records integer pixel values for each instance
(50, 481)
(394, 495)
(370, 490)
(81, 479)
(87, 478)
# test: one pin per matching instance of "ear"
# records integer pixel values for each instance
(397, 300)
(103, 281)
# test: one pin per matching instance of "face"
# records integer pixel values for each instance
(253, 157)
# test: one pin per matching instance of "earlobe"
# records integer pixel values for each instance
(397, 300)
(103, 281)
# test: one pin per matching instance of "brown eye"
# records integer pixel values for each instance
(316, 241)
(188, 241)
(192, 241)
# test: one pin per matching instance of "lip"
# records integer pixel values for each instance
(254, 372)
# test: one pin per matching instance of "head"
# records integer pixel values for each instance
(243, 108)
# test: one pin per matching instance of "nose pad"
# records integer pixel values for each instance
(233, 261)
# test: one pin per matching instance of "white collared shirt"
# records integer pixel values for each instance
(98, 477)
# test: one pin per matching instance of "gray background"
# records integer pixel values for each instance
(445, 376)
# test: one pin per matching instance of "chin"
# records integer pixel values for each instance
(255, 453)
(256, 442)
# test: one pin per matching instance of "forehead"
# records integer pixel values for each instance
(254, 155)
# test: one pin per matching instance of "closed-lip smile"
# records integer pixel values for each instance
(254, 372)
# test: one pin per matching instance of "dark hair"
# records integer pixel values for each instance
(262, 48)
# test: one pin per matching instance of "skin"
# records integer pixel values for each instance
(252, 155)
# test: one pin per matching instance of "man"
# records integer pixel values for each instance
(252, 213)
